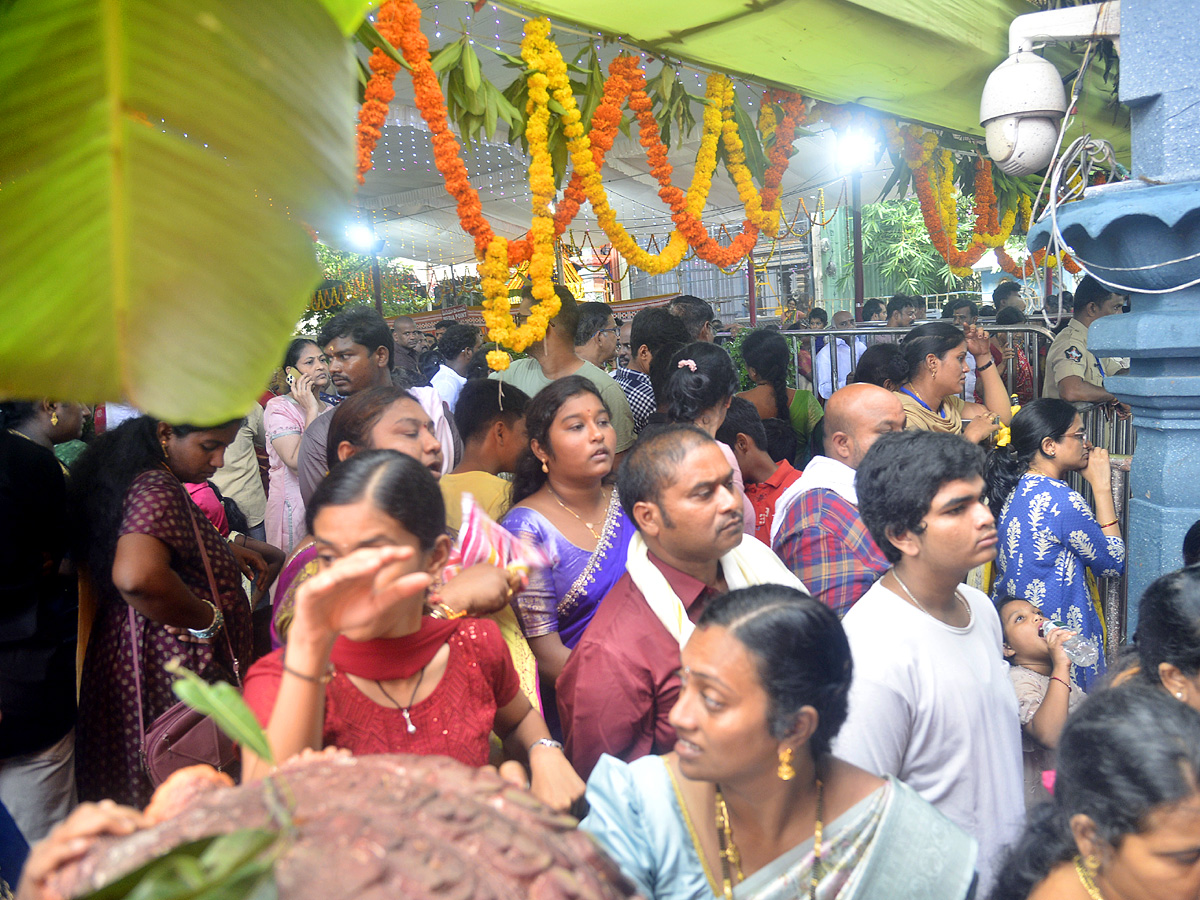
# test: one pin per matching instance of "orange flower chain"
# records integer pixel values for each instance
(399, 22)
(933, 179)
(379, 91)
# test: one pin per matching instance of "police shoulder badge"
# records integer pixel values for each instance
(1073, 354)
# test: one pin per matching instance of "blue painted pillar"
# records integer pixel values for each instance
(1150, 221)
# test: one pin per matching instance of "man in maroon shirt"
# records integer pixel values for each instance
(622, 677)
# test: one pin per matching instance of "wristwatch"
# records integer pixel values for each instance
(545, 742)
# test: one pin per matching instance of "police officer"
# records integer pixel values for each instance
(1073, 372)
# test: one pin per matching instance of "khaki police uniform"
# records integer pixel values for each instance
(1069, 355)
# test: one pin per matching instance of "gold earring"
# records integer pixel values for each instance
(1092, 863)
(53, 418)
(545, 468)
(785, 770)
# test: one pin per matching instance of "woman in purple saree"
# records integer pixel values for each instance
(562, 504)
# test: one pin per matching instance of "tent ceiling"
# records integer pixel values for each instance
(919, 59)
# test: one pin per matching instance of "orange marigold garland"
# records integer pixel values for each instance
(379, 91)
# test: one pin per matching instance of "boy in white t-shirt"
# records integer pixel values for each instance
(931, 701)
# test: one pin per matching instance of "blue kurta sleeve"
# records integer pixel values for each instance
(1078, 529)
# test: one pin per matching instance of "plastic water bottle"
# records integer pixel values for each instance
(1080, 650)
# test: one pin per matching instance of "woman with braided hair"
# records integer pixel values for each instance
(768, 357)
(699, 389)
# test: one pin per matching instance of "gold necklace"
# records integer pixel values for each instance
(21, 434)
(587, 525)
(1086, 879)
(958, 596)
(731, 858)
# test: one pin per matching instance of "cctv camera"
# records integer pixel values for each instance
(1021, 105)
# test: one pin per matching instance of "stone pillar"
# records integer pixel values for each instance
(1153, 219)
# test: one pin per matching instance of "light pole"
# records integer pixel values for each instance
(367, 241)
(856, 150)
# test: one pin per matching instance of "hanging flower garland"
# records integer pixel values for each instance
(547, 71)
(379, 91)
(399, 22)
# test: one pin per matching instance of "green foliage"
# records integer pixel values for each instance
(401, 290)
(476, 107)
(224, 703)
(350, 15)
(235, 866)
(161, 161)
(896, 242)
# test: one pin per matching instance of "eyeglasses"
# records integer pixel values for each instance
(1081, 435)
(615, 330)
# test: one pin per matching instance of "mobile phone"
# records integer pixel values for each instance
(293, 374)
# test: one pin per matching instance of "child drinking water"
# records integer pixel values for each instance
(1041, 674)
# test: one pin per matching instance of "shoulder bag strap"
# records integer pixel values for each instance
(135, 648)
(212, 583)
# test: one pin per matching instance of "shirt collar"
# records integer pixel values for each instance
(686, 588)
(782, 470)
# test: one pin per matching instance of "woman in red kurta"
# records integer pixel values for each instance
(364, 668)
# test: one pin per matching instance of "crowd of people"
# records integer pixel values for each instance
(747, 654)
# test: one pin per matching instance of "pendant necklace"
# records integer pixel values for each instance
(958, 596)
(558, 500)
(412, 729)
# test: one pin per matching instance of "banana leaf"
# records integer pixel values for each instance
(349, 14)
(161, 164)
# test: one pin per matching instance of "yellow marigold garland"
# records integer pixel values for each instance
(542, 55)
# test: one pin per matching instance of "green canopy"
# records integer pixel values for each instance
(925, 60)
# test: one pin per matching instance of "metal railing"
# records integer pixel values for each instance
(1032, 338)
(1103, 427)
(1119, 437)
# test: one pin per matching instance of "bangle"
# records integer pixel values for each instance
(545, 742)
(985, 366)
(1060, 681)
(440, 610)
(1110, 524)
(311, 679)
(205, 633)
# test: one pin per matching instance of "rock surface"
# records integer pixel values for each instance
(382, 828)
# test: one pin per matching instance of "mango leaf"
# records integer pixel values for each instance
(470, 64)
(226, 706)
(447, 57)
(513, 62)
(756, 160)
(163, 161)
(368, 35)
(901, 176)
(349, 14)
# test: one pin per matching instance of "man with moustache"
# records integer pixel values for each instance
(359, 346)
(618, 687)
(931, 702)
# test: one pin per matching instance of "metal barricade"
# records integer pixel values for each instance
(1032, 338)
(1103, 427)
(1119, 437)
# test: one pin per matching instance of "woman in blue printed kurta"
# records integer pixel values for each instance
(1049, 538)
